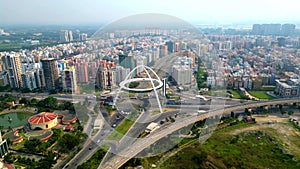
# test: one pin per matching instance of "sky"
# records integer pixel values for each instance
(107, 11)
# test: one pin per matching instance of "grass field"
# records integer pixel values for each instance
(260, 94)
(236, 94)
(122, 128)
(94, 161)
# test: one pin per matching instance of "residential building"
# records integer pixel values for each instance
(81, 68)
(69, 81)
(29, 80)
(105, 78)
(289, 88)
(182, 74)
(50, 70)
(121, 73)
(13, 67)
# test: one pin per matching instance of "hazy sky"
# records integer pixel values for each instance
(104, 11)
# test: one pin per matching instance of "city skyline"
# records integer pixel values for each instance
(201, 12)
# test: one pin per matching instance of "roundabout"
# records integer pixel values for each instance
(124, 84)
(155, 83)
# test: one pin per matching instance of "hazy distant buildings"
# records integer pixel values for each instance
(273, 29)
(70, 36)
(12, 65)
(170, 46)
(66, 36)
(50, 70)
(83, 37)
(288, 29)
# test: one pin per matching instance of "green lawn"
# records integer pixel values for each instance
(236, 94)
(260, 94)
(94, 161)
(122, 129)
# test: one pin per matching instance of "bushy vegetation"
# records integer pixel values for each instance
(3, 101)
(94, 161)
(252, 149)
(201, 75)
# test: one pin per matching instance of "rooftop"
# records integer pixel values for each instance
(42, 118)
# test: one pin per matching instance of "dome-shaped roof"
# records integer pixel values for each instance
(42, 118)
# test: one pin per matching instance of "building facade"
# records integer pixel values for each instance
(13, 67)
(50, 70)
(69, 79)
(182, 74)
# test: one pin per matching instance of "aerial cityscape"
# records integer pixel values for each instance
(135, 85)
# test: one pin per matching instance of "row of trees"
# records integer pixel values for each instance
(30, 163)
(47, 104)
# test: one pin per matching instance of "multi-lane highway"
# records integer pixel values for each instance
(123, 156)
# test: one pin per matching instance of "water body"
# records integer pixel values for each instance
(17, 119)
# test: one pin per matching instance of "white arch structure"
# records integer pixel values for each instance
(128, 80)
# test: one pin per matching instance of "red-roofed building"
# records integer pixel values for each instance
(44, 120)
(68, 128)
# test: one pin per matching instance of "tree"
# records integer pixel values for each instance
(33, 101)
(33, 145)
(9, 158)
(283, 112)
(24, 101)
(69, 141)
(49, 102)
(290, 112)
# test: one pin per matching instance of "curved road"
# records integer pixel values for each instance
(118, 160)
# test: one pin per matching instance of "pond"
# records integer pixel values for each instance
(15, 119)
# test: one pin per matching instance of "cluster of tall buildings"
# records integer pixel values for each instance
(273, 29)
(66, 36)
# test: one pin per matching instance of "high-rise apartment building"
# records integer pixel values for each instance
(13, 68)
(273, 29)
(29, 80)
(69, 81)
(64, 36)
(288, 29)
(81, 68)
(83, 37)
(50, 70)
(182, 74)
(121, 73)
(70, 36)
(105, 78)
(39, 77)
